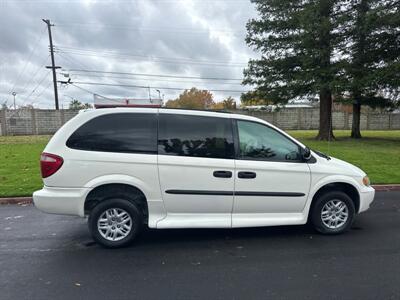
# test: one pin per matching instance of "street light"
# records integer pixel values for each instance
(14, 94)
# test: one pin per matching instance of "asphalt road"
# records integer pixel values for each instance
(53, 257)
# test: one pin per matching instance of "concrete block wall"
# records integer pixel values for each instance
(309, 118)
(376, 122)
(394, 121)
(287, 119)
(259, 114)
(18, 122)
(68, 115)
(47, 121)
(33, 121)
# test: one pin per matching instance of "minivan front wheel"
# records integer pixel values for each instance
(115, 223)
(333, 213)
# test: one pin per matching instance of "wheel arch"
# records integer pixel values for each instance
(342, 186)
(117, 190)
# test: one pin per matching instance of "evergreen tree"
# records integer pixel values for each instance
(371, 46)
(296, 39)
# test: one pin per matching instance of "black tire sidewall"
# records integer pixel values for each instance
(129, 207)
(319, 204)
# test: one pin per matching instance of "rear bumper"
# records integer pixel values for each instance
(65, 201)
(366, 198)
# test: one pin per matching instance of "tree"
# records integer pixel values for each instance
(87, 106)
(229, 103)
(77, 105)
(192, 99)
(254, 98)
(296, 39)
(4, 105)
(371, 47)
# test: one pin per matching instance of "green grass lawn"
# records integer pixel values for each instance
(378, 154)
(19, 164)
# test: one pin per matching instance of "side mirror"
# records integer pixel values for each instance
(306, 153)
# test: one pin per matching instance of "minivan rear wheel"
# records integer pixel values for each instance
(333, 213)
(115, 223)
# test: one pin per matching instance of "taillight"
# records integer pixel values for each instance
(49, 164)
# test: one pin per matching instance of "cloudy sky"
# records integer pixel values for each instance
(128, 43)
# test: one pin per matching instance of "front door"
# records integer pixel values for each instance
(272, 181)
(196, 168)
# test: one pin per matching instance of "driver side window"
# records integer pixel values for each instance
(260, 142)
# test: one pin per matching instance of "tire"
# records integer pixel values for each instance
(328, 213)
(109, 222)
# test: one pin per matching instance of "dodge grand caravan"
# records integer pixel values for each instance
(126, 168)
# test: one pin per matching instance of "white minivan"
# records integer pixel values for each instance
(126, 168)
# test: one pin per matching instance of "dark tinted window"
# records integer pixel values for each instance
(260, 142)
(123, 132)
(195, 136)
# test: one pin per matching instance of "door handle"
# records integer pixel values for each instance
(222, 174)
(247, 175)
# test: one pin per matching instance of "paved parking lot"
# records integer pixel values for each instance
(53, 257)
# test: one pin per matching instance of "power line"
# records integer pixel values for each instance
(146, 79)
(67, 57)
(96, 51)
(36, 73)
(41, 93)
(33, 50)
(88, 91)
(127, 56)
(153, 75)
(155, 87)
(150, 29)
(34, 90)
(93, 93)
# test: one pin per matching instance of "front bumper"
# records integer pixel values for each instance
(366, 197)
(64, 201)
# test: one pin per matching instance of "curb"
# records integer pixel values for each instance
(28, 200)
(16, 200)
(386, 187)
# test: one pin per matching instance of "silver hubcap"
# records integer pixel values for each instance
(114, 224)
(334, 214)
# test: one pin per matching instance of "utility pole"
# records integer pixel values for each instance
(53, 66)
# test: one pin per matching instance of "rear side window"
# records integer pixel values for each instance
(197, 136)
(122, 132)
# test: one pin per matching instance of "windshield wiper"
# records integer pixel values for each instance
(321, 154)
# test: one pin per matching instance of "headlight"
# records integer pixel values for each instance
(366, 181)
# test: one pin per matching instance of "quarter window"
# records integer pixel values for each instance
(260, 142)
(197, 136)
(121, 132)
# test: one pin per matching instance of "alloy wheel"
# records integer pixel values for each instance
(114, 224)
(334, 214)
